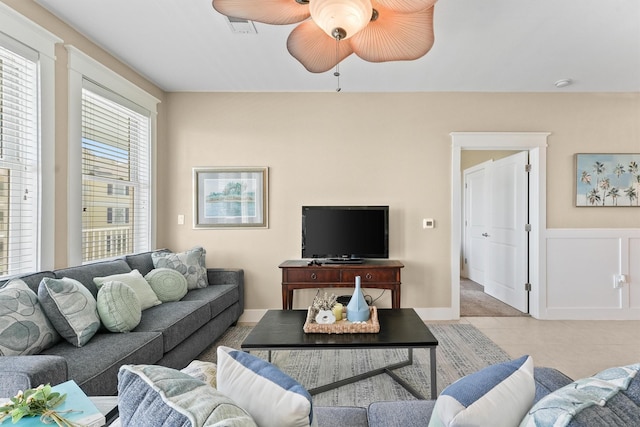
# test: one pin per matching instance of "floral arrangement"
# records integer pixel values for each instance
(324, 303)
(33, 402)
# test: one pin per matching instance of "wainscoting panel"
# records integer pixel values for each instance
(583, 271)
(634, 273)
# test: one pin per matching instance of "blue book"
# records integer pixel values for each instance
(83, 411)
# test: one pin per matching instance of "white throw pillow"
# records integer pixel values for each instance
(273, 398)
(498, 396)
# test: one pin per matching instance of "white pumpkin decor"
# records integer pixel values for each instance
(323, 306)
(325, 317)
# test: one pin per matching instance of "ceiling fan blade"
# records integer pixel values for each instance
(404, 6)
(310, 45)
(395, 36)
(277, 12)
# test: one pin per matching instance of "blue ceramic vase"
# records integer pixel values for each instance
(357, 309)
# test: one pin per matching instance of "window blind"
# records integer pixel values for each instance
(19, 168)
(115, 175)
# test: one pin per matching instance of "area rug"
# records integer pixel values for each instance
(462, 350)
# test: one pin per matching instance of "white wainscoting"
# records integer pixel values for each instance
(582, 267)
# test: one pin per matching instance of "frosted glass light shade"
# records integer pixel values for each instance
(350, 15)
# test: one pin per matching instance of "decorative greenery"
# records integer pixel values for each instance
(39, 401)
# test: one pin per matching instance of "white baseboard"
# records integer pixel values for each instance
(426, 314)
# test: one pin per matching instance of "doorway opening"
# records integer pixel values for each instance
(495, 243)
(533, 142)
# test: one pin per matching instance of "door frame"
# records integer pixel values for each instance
(536, 144)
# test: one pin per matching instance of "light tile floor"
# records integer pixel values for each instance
(578, 348)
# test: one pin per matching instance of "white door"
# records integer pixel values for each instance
(506, 238)
(475, 221)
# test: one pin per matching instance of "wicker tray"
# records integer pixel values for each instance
(371, 326)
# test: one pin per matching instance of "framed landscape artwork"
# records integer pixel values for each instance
(230, 197)
(607, 180)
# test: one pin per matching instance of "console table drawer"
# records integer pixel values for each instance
(371, 275)
(312, 275)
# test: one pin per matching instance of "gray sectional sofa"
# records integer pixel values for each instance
(171, 334)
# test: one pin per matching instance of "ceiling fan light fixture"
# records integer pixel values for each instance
(341, 19)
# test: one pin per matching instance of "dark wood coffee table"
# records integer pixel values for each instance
(399, 328)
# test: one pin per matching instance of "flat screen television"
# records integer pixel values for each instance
(345, 233)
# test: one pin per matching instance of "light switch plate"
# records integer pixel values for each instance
(428, 223)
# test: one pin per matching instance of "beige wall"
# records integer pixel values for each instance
(342, 148)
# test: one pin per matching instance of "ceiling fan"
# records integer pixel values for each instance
(331, 30)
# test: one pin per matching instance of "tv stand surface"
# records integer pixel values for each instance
(376, 274)
(341, 261)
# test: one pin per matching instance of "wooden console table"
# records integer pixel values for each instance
(377, 274)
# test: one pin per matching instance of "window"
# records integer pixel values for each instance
(112, 127)
(117, 215)
(18, 162)
(27, 172)
(115, 174)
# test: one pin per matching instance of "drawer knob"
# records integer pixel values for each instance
(314, 276)
(368, 276)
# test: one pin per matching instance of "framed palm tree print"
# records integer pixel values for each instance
(607, 180)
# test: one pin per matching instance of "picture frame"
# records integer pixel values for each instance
(607, 180)
(230, 197)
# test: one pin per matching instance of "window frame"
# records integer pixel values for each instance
(81, 68)
(33, 36)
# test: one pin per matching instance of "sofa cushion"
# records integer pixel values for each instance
(71, 308)
(167, 284)
(104, 354)
(142, 261)
(282, 402)
(175, 320)
(85, 273)
(118, 306)
(219, 297)
(159, 396)
(400, 413)
(498, 395)
(134, 279)
(190, 263)
(344, 416)
(24, 328)
(610, 397)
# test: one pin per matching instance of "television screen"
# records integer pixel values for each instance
(345, 232)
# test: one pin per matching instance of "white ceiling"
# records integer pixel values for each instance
(481, 45)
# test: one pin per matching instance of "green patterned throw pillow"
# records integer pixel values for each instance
(168, 284)
(118, 306)
(135, 281)
(191, 264)
(24, 328)
(71, 309)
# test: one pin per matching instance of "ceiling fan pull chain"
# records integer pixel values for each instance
(337, 72)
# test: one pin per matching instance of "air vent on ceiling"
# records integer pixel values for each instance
(241, 26)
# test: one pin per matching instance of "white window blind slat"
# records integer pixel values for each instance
(115, 175)
(18, 159)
